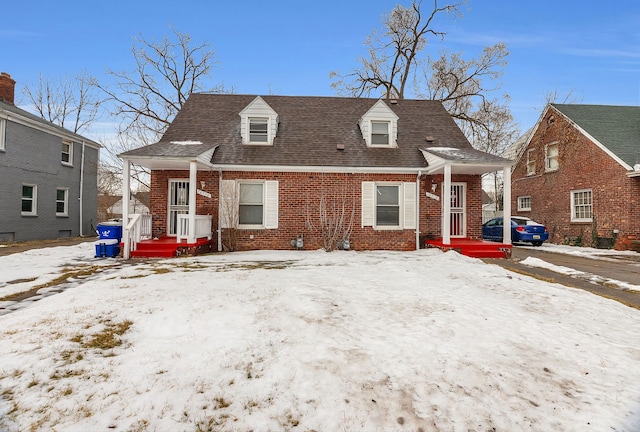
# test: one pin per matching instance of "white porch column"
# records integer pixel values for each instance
(126, 192)
(193, 172)
(506, 205)
(446, 206)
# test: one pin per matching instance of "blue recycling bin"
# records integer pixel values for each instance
(107, 248)
(110, 234)
(110, 230)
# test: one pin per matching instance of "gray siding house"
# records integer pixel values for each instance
(49, 176)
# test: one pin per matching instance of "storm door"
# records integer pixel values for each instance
(458, 210)
(178, 203)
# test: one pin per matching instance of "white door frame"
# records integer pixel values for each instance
(458, 210)
(177, 203)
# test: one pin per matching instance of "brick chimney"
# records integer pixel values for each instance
(7, 88)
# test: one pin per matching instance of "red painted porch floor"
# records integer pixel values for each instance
(166, 247)
(473, 248)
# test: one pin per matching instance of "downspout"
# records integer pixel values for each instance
(418, 210)
(80, 198)
(219, 212)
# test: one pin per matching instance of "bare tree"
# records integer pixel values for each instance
(146, 100)
(462, 87)
(333, 217)
(71, 103)
(554, 96)
(394, 62)
(393, 56)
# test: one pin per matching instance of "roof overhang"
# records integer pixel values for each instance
(154, 162)
(463, 161)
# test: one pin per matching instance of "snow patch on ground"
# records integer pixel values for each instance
(289, 340)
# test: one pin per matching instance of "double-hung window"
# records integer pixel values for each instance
(531, 161)
(380, 133)
(524, 203)
(259, 130)
(582, 205)
(251, 204)
(62, 202)
(67, 152)
(551, 158)
(388, 205)
(29, 200)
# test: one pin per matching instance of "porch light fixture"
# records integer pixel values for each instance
(202, 184)
(434, 186)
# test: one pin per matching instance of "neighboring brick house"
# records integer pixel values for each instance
(49, 176)
(579, 174)
(274, 170)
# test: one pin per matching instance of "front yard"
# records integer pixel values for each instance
(341, 341)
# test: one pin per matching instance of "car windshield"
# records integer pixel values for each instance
(520, 221)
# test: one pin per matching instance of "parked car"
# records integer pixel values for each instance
(523, 229)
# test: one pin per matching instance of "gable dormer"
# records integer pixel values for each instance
(258, 123)
(379, 126)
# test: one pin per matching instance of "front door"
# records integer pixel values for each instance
(458, 210)
(178, 203)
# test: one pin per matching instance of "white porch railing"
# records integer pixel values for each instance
(138, 228)
(202, 227)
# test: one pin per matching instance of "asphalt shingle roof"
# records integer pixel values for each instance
(615, 127)
(309, 131)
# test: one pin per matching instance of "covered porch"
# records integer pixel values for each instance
(453, 161)
(187, 231)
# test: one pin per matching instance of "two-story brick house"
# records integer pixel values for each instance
(579, 174)
(276, 172)
(49, 175)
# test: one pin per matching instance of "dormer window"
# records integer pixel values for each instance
(380, 133)
(379, 126)
(259, 130)
(258, 123)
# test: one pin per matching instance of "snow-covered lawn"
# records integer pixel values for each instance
(302, 341)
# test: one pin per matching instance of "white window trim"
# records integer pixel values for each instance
(573, 206)
(547, 158)
(70, 143)
(531, 162)
(520, 199)
(252, 226)
(3, 134)
(406, 201)
(34, 207)
(258, 108)
(269, 140)
(230, 204)
(65, 213)
(389, 133)
(398, 185)
(379, 112)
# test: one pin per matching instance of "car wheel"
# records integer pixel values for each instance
(537, 243)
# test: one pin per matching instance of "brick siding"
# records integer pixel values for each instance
(298, 211)
(582, 165)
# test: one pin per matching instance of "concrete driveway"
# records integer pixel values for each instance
(595, 272)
